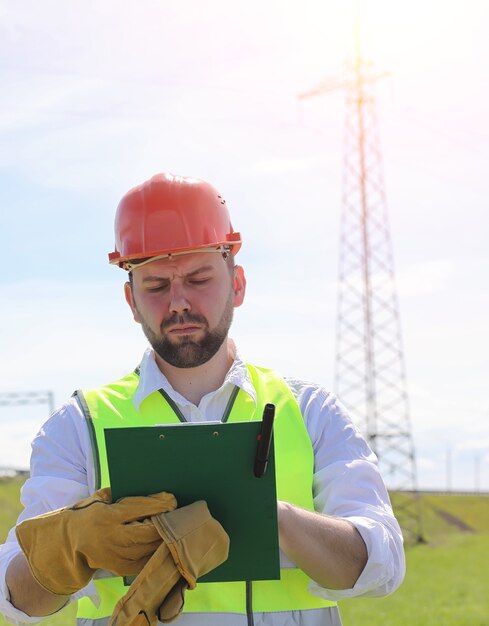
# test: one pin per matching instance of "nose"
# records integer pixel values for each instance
(178, 300)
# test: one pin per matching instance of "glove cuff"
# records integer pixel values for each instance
(195, 540)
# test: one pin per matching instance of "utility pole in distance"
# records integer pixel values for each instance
(370, 377)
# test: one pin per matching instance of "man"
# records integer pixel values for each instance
(337, 533)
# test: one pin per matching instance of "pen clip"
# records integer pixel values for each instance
(264, 441)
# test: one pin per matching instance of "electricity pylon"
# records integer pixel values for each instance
(370, 377)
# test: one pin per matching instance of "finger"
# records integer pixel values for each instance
(136, 508)
(102, 496)
(136, 533)
(134, 555)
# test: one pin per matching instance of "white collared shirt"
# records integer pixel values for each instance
(346, 479)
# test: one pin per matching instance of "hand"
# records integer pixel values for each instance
(66, 546)
(194, 543)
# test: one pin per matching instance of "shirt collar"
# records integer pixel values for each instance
(151, 379)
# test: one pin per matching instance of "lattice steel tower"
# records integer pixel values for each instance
(370, 376)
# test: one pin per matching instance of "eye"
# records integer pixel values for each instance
(199, 281)
(157, 289)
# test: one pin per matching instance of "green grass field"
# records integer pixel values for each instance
(447, 577)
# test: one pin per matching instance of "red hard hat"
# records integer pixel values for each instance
(170, 214)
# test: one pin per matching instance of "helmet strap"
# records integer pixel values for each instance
(135, 263)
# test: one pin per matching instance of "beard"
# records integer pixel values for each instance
(187, 352)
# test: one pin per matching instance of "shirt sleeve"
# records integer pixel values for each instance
(61, 473)
(347, 484)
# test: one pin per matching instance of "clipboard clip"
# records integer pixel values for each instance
(264, 441)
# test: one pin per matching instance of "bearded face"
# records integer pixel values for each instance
(189, 350)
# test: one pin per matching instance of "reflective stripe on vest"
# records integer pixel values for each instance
(314, 617)
(111, 406)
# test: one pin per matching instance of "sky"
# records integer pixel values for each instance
(99, 96)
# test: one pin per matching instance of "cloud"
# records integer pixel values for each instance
(426, 464)
(429, 277)
(284, 165)
(475, 445)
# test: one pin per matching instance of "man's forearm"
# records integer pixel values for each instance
(26, 594)
(329, 550)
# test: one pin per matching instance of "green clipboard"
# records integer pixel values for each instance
(212, 462)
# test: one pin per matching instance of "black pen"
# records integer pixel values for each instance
(264, 441)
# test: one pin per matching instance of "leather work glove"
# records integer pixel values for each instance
(66, 546)
(194, 543)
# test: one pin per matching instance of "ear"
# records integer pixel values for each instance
(239, 285)
(130, 301)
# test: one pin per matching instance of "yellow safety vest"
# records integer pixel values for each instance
(111, 406)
